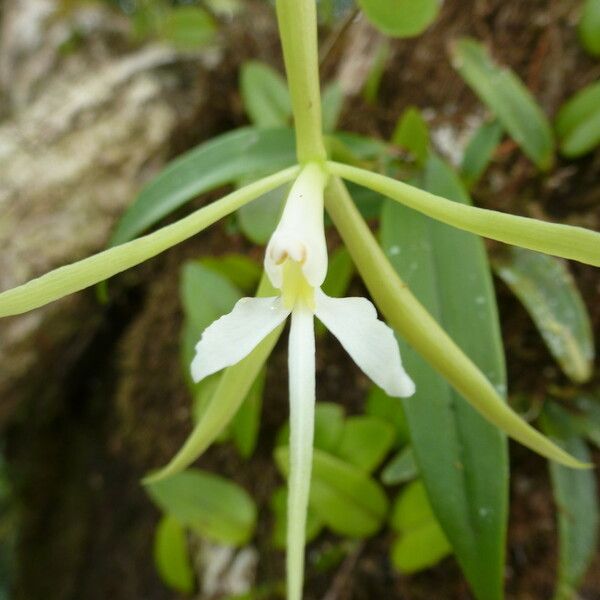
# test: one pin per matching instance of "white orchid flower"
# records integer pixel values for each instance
(296, 263)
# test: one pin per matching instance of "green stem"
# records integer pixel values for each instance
(412, 321)
(298, 31)
(565, 241)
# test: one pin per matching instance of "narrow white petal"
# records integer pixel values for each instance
(233, 336)
(369, 341)
(301, 360)
(300, 234)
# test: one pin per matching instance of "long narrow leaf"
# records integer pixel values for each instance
(504, 93)
(265, 95)
(551, 238)
(87, 272)
(545, 287)
(220, 161)
(480, 151)
(578, 121)
(576, 497)
(462, 457)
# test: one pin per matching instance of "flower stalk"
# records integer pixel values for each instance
(297, 21)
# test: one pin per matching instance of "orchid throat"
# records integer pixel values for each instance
(296, 256)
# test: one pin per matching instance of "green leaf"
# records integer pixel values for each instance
(242, 271)
(345, 499)
(267, 591)
(589, 27)
(368, 203)
(328, 557)
(412, 134)
(373, 81)
(389, 409)
(504, 93)
(147, 19)
(332, 105)
(203, 394)
(87, 272)
(278, 503)
(578, 109)
(461, 456)
(259, 219)
(216, 508)
(576, 497)
(329, 426)
(401, 18)
(339, 273)
(578, 122)
(220, 161)
(188, 27)
(246, 423)
(205, 294)
(171, 556)
(422, 542)
(546, 288)
(365, 442)
(326, 12)
(480, 151)
(589, 421)
(402, 468)
(265, 95)
(411, 508)
(361, 147)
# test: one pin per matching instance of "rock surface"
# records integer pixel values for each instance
(83, 130)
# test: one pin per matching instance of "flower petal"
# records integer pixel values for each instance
(301, 361)
(300, 234)
(233, 336)
(369, 341)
